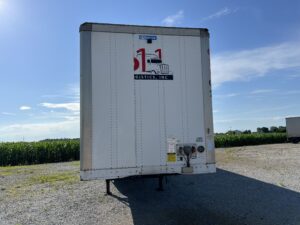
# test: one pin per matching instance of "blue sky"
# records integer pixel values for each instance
(255, 49)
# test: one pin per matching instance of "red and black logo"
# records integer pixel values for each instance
(150, 66)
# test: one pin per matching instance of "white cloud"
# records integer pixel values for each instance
(38, 131)
(248, 64)
(71, 91)
(262, 91)
(72, 106)
(226, 95)
(294, 76)
(24, 107)
(73, 117)
(223, 12)
(292, 92)
(8, 114)
(173, 20)
(52, 96)
(231, 95)
(47, 122)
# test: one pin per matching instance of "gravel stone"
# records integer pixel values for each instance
(253, 185)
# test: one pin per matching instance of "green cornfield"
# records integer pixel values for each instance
(26, 153)
(48, 151)
(234, 140)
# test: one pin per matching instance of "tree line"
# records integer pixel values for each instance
(272, 129)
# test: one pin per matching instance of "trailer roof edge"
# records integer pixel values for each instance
(137, 29)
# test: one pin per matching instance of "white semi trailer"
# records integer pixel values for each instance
(146, 103)
(293, 129)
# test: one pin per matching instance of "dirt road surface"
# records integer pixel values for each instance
(253, 185)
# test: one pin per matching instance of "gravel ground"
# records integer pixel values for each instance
(253, 185)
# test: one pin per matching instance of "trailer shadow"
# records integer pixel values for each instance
(221, 198)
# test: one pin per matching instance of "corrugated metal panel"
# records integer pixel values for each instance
(130, 115)
(207, 100)
(86, 102)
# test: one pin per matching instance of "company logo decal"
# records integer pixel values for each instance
(150, 66)
(147, 37)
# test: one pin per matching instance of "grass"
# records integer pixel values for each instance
(226, 156)
(15, 170)
(281, 184)
(45, 177)
(75, 163)
(52, 178)
(39, 175)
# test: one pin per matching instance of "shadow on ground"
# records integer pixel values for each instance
(221, 198)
